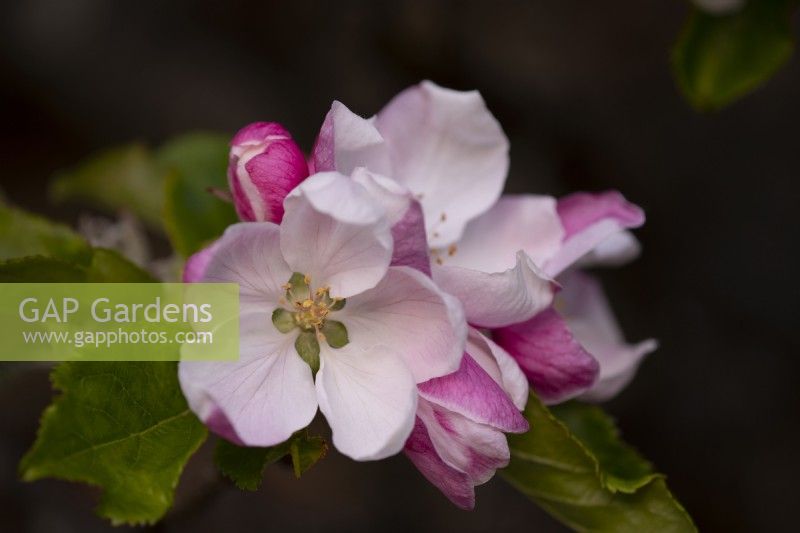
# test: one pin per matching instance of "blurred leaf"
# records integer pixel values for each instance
(193, 216)
(306, 451)
(720, 58)
(104, 266)
(126, 177)
(246, 465)
(558, 471)
(40, 269)
(108, 266)
(122, 426)
(23, 234)
(621, 467)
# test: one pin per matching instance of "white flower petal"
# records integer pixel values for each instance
(392, 197)
(249, 254)
(447, 148)
(333, 231)
(408, 312)
(516, 222)
(497, 299)
(262, 398)
(347, 141)
(369, 399)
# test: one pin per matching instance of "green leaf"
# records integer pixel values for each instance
(306, 451)
(194, 164)
(126, 177)
(550, 465)
(124, 427)
(245, 465)
(108, 266)
(41, 270)
(720, 58)
(23, 234)
(621, 468)
(104, 266)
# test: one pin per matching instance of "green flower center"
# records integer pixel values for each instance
(309, 311)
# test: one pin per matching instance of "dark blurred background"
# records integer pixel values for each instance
(584, 91)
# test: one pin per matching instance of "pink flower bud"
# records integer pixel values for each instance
(265, 164)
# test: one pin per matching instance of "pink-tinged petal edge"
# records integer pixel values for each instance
(500, 298)
(347, 141)
(456, 485)
(195, 267)
(592, 321)
(471, 392)
(589, 219)
(410, 242)
(557, 366)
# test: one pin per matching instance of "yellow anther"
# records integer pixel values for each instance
(307, 279)
(307, 303)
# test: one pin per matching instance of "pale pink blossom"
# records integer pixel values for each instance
(504, 259)
(323, 276)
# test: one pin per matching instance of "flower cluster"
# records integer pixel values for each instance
(387, 282)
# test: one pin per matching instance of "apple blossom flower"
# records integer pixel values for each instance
(500, 258)
(579, 230)
(447, 149)
(325, 322)
(265, 164)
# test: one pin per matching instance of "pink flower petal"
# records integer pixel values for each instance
(468, 446)
(456, 485)
(589, 220)
(556, 365)
(195, 267)
(410, 243)
(472, 393)
(265, 164)
(499, 364)
(591, 320)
